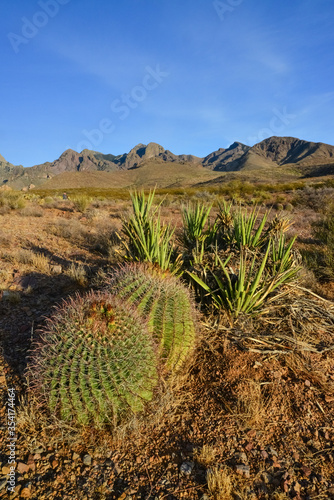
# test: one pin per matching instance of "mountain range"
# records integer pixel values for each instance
(269, 159)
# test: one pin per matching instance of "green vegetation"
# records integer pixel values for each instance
(249, 260)
(11, 200)
(166, 304)
(96, 361)
(81, 202)
(148, 239)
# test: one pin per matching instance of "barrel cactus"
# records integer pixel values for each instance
(95, 361)
(165, 303)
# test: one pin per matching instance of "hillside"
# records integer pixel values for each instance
(270, 159)
(149, 174)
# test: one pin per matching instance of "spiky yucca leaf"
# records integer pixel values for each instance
(167, 305)
(148, 239)
(95, 361)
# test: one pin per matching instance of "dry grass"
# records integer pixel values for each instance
(32, 210)
(29, 258)
(206, 456)
(77, 273)
(220, 484)
(252, 406)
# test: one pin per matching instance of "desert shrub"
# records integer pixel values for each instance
(81, 202)
(95, 362)
(324, 232)
(70, 229)
(316, 198)
(166, 304)
(32, 211)
(12, 200)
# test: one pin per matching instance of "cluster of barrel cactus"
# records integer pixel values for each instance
(101, 356)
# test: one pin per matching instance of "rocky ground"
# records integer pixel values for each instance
(243, 424)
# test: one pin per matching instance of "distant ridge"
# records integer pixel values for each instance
(308, 159)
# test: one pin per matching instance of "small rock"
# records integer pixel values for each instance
(307, 383)
(87, 460)
(22, 468)
(306, 470)
(5, 470)
(243, 470)
(75, 456)
(296, 487)
(249, 446)
(117, 469)
(264, 454)
(241, 458)
(25, 493)
(186, 468)
(56, 269)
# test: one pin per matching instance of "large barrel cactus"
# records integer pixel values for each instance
(95, 361)
(167, 306)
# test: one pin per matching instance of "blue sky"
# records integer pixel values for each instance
(191, 75)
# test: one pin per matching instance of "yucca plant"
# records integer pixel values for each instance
(248, 288)
(241, 229)
(196, 224)
(148, 240)
(198, 234)
(95, 362)
(281, 256)
(166, 304)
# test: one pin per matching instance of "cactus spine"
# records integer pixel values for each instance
(95, 362)
(166, 304)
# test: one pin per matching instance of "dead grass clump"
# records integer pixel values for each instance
(104, 239)
(29, 258)
(77, 273)
(32, 211)
(6, 240)
(252, 405)
(206, 456)
(220, 483)
(69, 229)
(38, 428)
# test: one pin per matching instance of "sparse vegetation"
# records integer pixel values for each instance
(251, 409)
